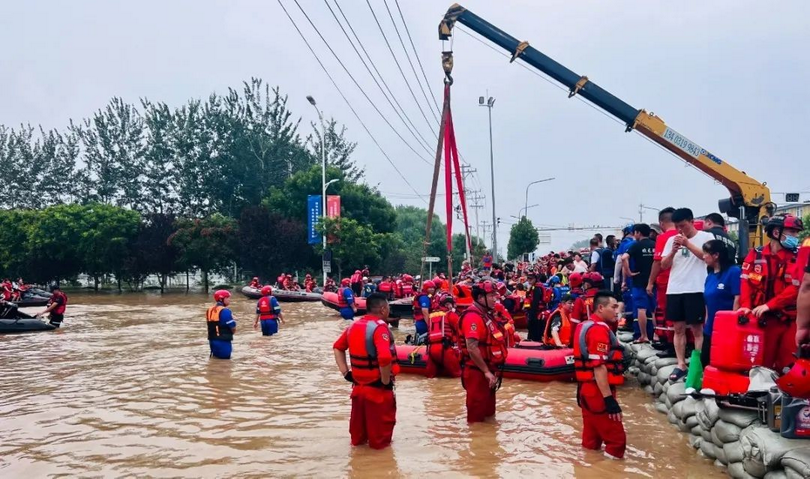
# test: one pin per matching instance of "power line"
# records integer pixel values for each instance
(409, 124)
(358, 84)
(303, 37)
(399, 67)
(408, 57)
(416, 54)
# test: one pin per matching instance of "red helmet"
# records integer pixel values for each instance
(783, 222)
(484, 287)
(575, 280)
(501, 288)
(445, 298)
(593, 278)
(428, 285)
(345, 282)
(797, 381)
(407, 277)
(221, 294)
(267, 290)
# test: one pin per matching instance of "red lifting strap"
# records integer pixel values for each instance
(450, 163)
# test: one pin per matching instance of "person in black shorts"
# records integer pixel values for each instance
(637, 264)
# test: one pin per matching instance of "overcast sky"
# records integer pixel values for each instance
(726, 74)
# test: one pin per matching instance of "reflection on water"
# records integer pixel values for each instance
(127, 388)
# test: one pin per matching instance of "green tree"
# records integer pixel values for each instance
(806, 232)
(105, 241)
(54, 238)
(354, 245)
(523, 238)
(270, 243)
(207, 244)
(338, 149)
(15, 228)
(151, 251)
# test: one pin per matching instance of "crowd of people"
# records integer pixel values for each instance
(665, 282)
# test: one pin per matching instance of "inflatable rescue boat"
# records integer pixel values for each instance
(283, 295)
(330, 300)
(528, 360)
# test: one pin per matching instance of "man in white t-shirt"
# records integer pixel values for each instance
(683, 254)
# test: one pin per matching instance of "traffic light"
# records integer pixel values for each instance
(499, 221)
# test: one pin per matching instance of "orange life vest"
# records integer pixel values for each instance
(613, 358)
(527, 299)
(440, 330)
(417, 308)
(342, 303)
(265, 308)
(565, 328)
(363, 351)
(493, 349)
(214, 331)
(767, 279)
(463, 295)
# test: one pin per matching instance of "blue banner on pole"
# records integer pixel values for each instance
(313, 217)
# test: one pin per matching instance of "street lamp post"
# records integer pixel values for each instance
(490, 102)
(525, 210)
(323, 176)
(526, 203)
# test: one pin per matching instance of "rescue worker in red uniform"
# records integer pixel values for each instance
(386, 287)
(421, 307)
(575, 283)
(357, 283)
(767, 289)
(483, 352)
(254, 283)
(801, 279)
(309, 283)
(56, 306)
(559, 327)
(583, 305)
(407, 285)
(599, 369)
(504, 317)
(8, 289)
(268, 311)
(442, 342)
(288, 282)
(373, 367)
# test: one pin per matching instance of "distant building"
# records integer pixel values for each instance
(795, 209)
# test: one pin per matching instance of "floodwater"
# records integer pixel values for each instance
(126, 388)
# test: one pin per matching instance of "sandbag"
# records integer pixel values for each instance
(689, 407)
(696, 431)
(672, 418)
(766, 448)
(661, 407)
(733, 451)
(737, 471)
(692, 422)
(648, 389)
(675, 393)
(710, 413)
(663, 373)
(657, 389)
(643, 353)
(649, 361)
(706, 434)
(677, 409)
(727, 432)
(661, 362)
(721, 454)
(695, 441)
(653, 370)
(791, 474)
(625, 337)
(717, 463)
(716, 440)
(683, 427)
(634, 370)
(667, 401)
(775, 475)
(708, 449)
(738, 417)
(643, 379)
(798, 460)
(665, 387)
(754, 467)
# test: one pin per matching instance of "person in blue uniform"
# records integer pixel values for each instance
(268, 311)
(348, 306)
(221, 325)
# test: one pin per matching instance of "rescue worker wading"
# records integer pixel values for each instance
(268, 311)
(373, 367)
(421, 307)
(346, 303)
(558, 327)
(483, 352)
(221, 325)
(767, 289)
(598, 368)
(56, 306)
(443, 355)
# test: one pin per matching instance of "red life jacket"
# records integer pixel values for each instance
(613, 358)
(342, 303)
(356, 278)
(417, 308)
(441, 331)
(363, 351)
(407, 289)
(504, 319)
(493, 349)
(265, 308)
(61, 308)
(385, 287)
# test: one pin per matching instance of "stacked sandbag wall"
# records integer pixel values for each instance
(734, 438)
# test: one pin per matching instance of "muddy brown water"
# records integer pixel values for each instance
(126, 388)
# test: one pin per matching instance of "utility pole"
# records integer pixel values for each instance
(466, 172)
(490, 102)
(476, 203)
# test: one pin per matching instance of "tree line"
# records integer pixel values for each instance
(218, 185)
